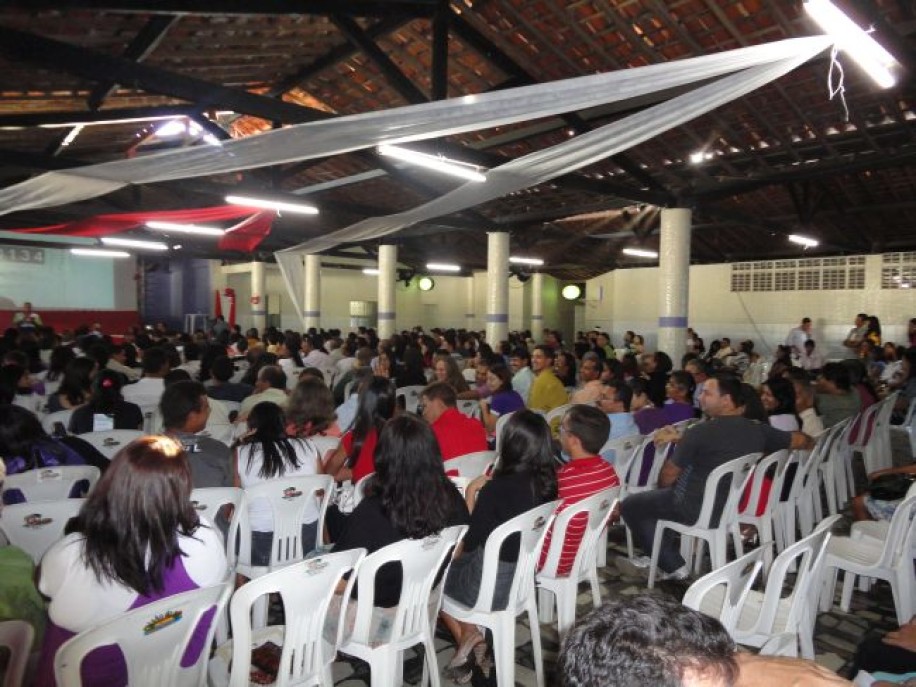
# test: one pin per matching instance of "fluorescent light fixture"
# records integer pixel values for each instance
(100, 253)
(71, 137)
(517, 260)
(442, 267)
(857, 43)
(176, 127)
(185, 228)
(370, 270)
(571, 292)
(134, 243)
(805, 241)
(426, 283)
(250, 202)
(700, 156)
(436, 163)
(640, 253)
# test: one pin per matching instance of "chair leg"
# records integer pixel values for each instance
(504, 649)
(828, 590)
(656, 547)
(717, 549)
(430, 665)
(601, 549)
(545, 600)
(629, 542)
(596, 588)
(849, 581)
(535, 631)
(566, 609)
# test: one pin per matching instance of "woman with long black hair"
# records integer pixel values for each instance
(524, 478)
(267, 453)
(137, 539)
(355, 457)
(107, 403)
(75, 387)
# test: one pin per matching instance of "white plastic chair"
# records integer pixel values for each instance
(289, 498)
(774, 463)
(533, 526)
(565, 589)
(877, 449)
(789, 609)
(470, 465)
(382, 644)
(51, 419)
(731, 584)
(890, 560)
(469, 374)
(411, 395)
(630, 474)
(620, 451)
(498, 430)
(306, 589)
(738, 472)
(470, 408)
(52, 484)
(325, 445)
(153, 639)
(109, 442)
(16, 636)
(554, 416)
(35, 526)
(208, 501)
(908, 426)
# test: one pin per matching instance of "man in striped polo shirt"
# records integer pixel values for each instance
(583, 432)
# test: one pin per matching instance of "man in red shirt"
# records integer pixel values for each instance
(583, 431)
(456, 433)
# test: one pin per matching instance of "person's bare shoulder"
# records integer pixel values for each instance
(766, 671)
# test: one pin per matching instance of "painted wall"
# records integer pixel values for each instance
(628, 299)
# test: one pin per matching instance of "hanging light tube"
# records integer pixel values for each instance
(133, 243)
(442, 267)
(185, 228)
(857, 43)
(100, 253)
(640, 253)
(518, 260)
(251, 202)
(805, 241)
(436, 163)
(372, 271)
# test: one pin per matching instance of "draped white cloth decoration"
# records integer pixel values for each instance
(399, 125)
(557, 160)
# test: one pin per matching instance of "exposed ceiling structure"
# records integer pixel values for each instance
(92, 81)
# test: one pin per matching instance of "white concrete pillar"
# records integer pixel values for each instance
(469, 314)
(674, 275)
(258, 296)
(497, 287)
(311, 315)
(387, 278)
(537, 305)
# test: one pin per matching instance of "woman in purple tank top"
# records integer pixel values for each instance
(136, 540)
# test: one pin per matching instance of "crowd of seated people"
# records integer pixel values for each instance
(245, 408)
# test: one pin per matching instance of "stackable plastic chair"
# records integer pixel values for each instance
(877, 453)
(726, 588)
(109, 442)
(553, 417)
(739, 472)
(306, 590)
(565, 589)
(153, 638)
(16, 637)
(470, 465)
(500, 423)
(37, 525)
(51, 419)
(208, 501)
(411, 396)
(908, 426)
(470, 408)
(774, 463)
(54, 483)
(381, 641)
(890, 560)
(532, 526)
(630, 474)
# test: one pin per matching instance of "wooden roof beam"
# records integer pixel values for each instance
(221, 8)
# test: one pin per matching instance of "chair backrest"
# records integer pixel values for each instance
(156, 639)
(532, 525)
(411, 396)
(469, 407)
(54, 483)
(359, 489)
(325, 445)
(289, 497)
(306, 589)
(557, 414)
(16, 636)
(738, 471)
(598, 507)
(61, 416)
(470, 465)
(469, 374)
(109, 442)
(772, 466)
(807, 556)
(737, 578)
(498, 430)
(901, 534)
(421, 560)
(208, 501)
(631, 472)
(34, 527)
(620, 451)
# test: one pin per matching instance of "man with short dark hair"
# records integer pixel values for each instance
(219, 385)
(700, 373)
(615, 402)
(456, 433)
(185, 409)
(270, 386)
(702, 448)
(313, 354)
(148, 390)
(522, 376)
(590, 386)
(836, 399)
(547, 392)
(583, 431)
(858, 333)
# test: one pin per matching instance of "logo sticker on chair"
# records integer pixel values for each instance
(110, 441)
(163, 621)
(35, 520)
(49, 474)
(315, 566)
(539, 523)
(430, 541)
(198, 505)
(604, 505)
(291, 493)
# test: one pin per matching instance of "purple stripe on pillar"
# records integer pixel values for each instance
(537, 317)
(386, 315)
(672, 321)
(498, 317)
(256, 313)
(312, 313)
